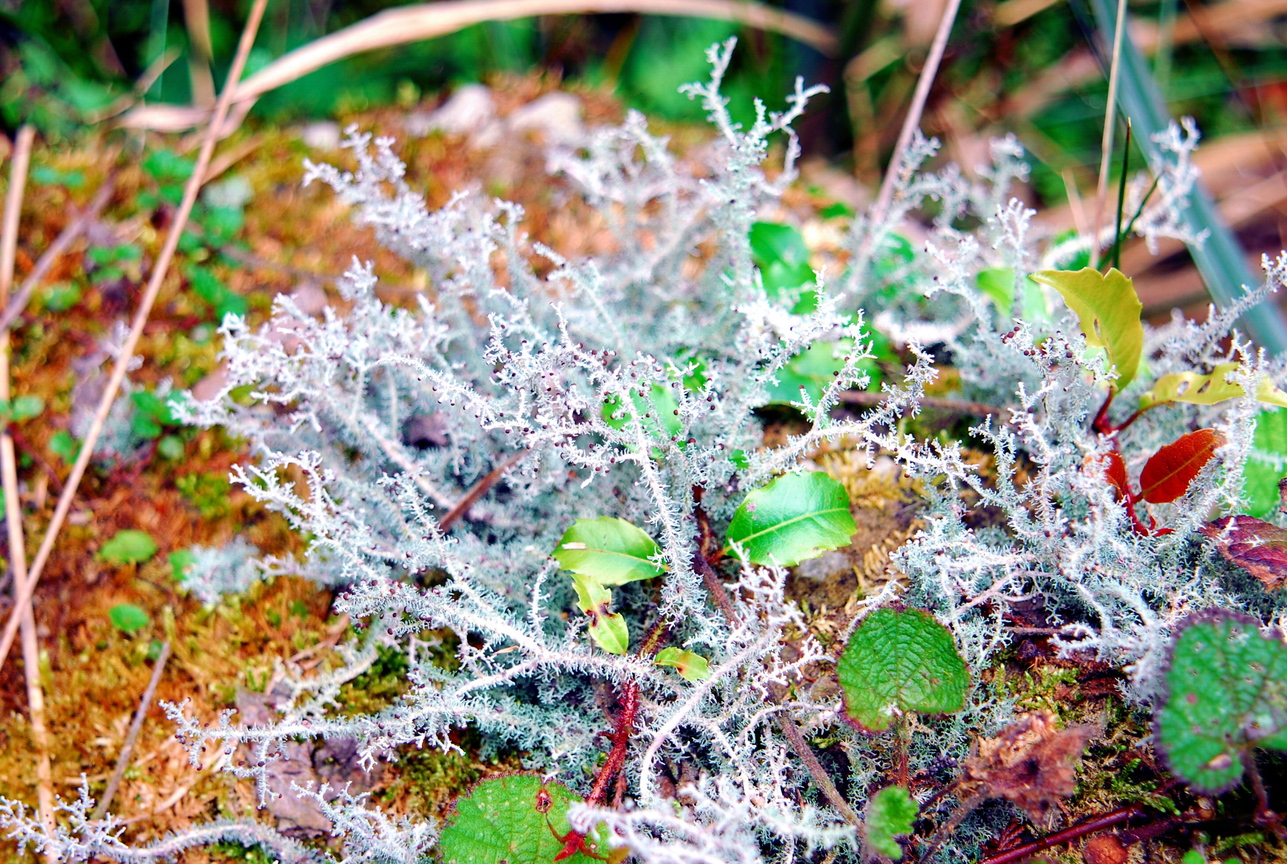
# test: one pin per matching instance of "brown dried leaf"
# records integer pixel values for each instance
(1168, 473)
(1259, 546)
(1032, 764)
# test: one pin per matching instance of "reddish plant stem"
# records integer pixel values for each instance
(1027, 850)
(1100, 423)
(478, 490)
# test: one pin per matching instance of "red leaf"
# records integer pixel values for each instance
(1115, 473)
(1251, 543)
(1168, 473)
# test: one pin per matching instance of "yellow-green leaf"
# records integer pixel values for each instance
(1109, 312)
(689, 665)
(607, 629)
(1198, 389)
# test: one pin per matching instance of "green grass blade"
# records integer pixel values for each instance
(1220, 259)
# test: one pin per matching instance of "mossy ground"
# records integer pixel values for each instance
(94, 675)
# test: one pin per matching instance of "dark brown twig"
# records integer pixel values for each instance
(478, 490)
(65, 238)
(1027, 850)
(130, 737)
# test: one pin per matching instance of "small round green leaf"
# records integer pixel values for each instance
(610, 551)
(899, 661)
(793, 519)
(128, 547)
(890, 815)
(510, 820)
(128, 618)
(1225, 692)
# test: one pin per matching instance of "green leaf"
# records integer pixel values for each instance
(510, 820)
(607, 629)
(25, 408)
(608, 550)
(1197, 389)
(128, 547)
(1109, 312)
(180, 561)
(660, 419)
(1266, 464)
(170, 447)
(64, 446)
(812, 369)
(128, 618)
(793, 519)
(691, 666)
(1224, 693)
(890, 815)
(60, 297)
(899, 661)
(783, 258)
(998, 284)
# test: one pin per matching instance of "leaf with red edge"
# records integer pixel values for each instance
(1168, 473)
(1259, 546)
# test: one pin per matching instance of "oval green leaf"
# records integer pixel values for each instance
(128, 547)
(899, 661)
(1108, 310)
(793, 519)
(128, 618)
(608, 550)
(1197, 389)
(1224, 693)
(510, 820)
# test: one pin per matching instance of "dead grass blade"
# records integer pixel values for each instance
(426, 20)
(13, 506)
(159, 271)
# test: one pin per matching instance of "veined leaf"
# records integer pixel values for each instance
(1266, 464)
(1225, 693)
(890, 815)
(899, 661)
(1258, 546)
(689, 665)
(1169, 471)
(1115, 473)
(610, 551)
(511, 820)
(1198, 389)
(1109, 312)
(793, 519)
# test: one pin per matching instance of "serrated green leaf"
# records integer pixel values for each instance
(690, 666)
(510, 820)
(1225, 692)
(610, 551)
(128, 618)
(1266, 464)
(899, 661)
(128, 547)
(1197, 389)
(793, 519)
(1109, 312)
(890, 815)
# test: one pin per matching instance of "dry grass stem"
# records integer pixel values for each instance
(916, 109)
(12, 507)
(140, 319)
(127, 749)
(65, 238)
(426, 20)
